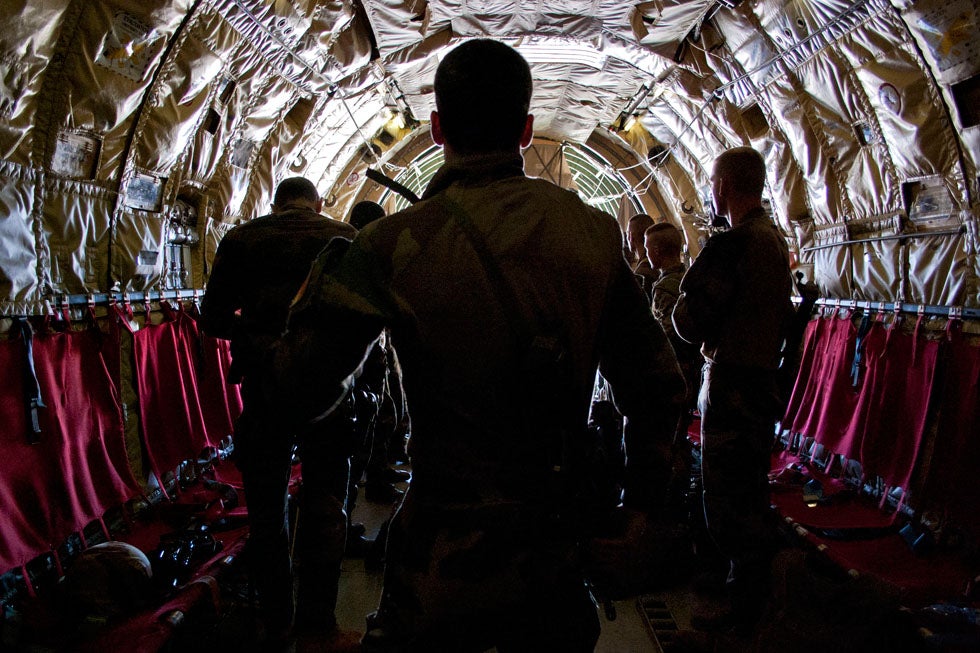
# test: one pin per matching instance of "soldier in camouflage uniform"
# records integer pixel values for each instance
(664, 245)
(257, 270)
(735, 302)
(635, 253)
(503, 294)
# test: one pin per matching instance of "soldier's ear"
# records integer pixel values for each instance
(722, 184)
(435, 127)
(528, 132)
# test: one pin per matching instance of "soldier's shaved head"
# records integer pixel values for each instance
(295, 190)
(666, 237)
(744, 168)
(483, 93)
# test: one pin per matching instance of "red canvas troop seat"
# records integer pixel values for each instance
(904, 380)
(78, 468)
(171, 417)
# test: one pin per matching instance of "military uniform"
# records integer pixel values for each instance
(666, 290)
(646, 276)
(735, 300)
(473, 560)
(258, 268)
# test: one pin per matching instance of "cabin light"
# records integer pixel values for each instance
(890, 98)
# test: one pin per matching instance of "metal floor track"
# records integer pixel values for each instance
(659, 621)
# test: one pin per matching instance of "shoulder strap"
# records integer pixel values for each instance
(534, 351)
(504, 291)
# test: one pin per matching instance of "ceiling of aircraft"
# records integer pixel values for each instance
(135, 133)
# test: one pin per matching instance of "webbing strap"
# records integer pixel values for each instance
(504, 292)
(521, 331)
(32, 387)
(859, 350)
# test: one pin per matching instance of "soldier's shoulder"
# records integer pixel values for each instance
(247, 230)
(339, 228)
(669, 282)
(724, 242)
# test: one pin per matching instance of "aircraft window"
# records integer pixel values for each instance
(596, 181)
(966, 97)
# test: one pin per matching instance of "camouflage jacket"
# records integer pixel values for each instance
(666, 290)
(417, 272)
(735, 299)
(257, 270)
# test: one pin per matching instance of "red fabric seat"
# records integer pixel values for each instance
(221, 402)
(949, 477)
(171, 418)
(78, 469)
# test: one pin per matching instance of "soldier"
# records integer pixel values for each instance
(636, 255)
(503, 294)
(664, 244)
(734, 301)
(258, 269)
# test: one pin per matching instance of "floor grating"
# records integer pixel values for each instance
(659, 621)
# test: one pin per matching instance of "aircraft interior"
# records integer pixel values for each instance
(135, 134)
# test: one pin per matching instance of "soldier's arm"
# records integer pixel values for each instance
(705, 292)
(663, 305)
(648, 388)
(222, 298)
